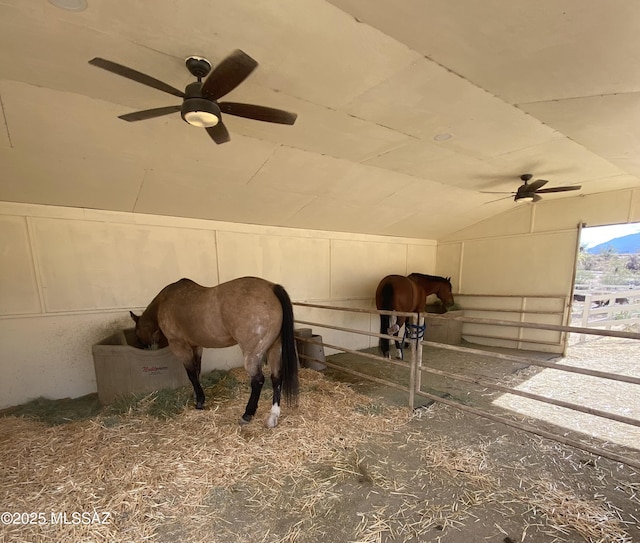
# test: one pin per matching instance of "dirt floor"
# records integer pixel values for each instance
(516, 458)
(350, 464)
(612, 355)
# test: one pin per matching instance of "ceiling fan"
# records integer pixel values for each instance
(532, 191)
(200, 106)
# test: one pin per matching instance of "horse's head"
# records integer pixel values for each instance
(444, 293)
(148, 332)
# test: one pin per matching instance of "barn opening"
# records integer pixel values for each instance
(606, 296)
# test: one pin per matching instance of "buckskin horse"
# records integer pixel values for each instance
(409, 294)
(253, 313)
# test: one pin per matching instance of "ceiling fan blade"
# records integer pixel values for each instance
(219, 133)
(136, 76)
(561, 189)
(535, 185)
(498, 199)
(532, 166)
(259, 113)
(149, 113)
(227, 75)
(493, 192)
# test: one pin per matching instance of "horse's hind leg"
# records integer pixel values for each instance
(399, 343)
(254, 369)
(274, 357)
(393, 329)
(399, 349)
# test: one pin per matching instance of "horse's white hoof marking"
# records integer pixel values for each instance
(272, 419)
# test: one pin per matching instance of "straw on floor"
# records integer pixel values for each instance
(199, 476)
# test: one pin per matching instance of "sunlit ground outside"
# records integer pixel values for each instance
(612, 355)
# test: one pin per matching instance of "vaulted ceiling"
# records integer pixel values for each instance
(406, 110)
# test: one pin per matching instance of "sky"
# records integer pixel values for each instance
(599, 234)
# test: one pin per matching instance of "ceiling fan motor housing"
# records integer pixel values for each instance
(524, 191)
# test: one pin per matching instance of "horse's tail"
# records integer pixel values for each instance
(290, 385)
(386, 302)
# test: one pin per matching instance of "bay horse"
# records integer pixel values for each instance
(253, 313)
(400, 293)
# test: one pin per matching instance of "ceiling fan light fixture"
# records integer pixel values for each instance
(525, 197)
(200, 112)
(444, 136)
(70, 5)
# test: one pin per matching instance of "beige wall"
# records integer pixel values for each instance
(529, 251)
(68, 278)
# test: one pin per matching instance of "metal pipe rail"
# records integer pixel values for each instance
(514, 296)
(541, 363)
(357, 309)
(533, 430)
(342, 329)
(416, 349)
(528, 341)
(560, 403)
(401, 363)
(520, 311)
(416, 370)
(552, 327)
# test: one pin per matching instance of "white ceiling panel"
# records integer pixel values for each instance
(608, 125)
(163, 193)
(426, 100)
(52, 179)
(337, 179)
(328, 214)
(406, 111)
(518, 50)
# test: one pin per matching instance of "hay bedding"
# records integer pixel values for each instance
(341, 467)
(150, 473)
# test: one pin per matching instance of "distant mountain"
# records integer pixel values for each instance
(623, 245)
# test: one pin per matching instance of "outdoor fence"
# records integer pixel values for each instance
(606, 307)
(414, 365)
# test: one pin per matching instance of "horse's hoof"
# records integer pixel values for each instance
(272, 421)
(245, 420)
(199, 406)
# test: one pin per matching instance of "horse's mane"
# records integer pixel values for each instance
(151, 312)
(433, 278)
